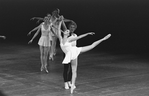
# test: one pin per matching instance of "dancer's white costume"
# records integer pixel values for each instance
(46, 38)
(74, 43)
(71, 52)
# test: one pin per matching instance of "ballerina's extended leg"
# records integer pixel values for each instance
(93, 45)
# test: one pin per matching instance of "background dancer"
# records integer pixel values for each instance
(54, 17)
(55, 23)
(72, 52)
(44, 42)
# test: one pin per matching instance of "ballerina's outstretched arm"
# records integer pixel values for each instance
(34, 30)
(38, 18)
(37, 32)
(59, 31)
(81, 36)
(67, 20)
(64, 25)
(4, 37)
(59, 27)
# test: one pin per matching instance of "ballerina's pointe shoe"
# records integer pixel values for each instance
(72, 88)
(108, 36)
(41, 69)
(46, 70)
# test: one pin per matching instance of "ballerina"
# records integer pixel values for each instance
(67, 73)
(44, 41)
(72, 52)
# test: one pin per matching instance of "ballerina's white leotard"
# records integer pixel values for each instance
(45, 36)
(71, 52)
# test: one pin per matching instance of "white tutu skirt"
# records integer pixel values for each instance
(71, 54)
(45, 41)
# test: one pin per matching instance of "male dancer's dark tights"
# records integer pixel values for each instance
(67, 73)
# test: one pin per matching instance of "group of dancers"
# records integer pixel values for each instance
(53, 28)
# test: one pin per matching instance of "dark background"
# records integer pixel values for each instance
(126, 20)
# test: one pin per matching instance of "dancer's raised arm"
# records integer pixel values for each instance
(67, 20)
(38, 27)
(81, 36)
(2, 37)
(60, 31)
(37, 32)
(39, 18)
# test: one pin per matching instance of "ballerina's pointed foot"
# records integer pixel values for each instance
(46, 70)
(51, 58)
(108, 36)
(72, 88)
(41, 69)
(69, 84)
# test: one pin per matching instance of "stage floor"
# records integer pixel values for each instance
(99, 74)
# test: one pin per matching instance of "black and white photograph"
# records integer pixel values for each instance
(74, 48)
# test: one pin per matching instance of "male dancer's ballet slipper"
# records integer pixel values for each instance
(66, 85)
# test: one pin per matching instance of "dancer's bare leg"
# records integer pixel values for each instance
(74, 64)
(54, 45)
(41, 57)
(51, 50)
(89, 47)
(46, 52)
